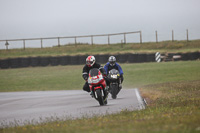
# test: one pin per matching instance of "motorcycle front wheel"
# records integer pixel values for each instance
(99, 97)
(114, 90)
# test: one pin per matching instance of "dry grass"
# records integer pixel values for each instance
(152, 47)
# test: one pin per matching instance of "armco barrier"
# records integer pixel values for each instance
(80, 59)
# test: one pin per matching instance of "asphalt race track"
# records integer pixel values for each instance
(18, 108)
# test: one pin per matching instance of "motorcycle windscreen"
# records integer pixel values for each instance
(113, 71)
(94, 72)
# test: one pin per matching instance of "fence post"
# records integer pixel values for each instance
(75, 41)
(187, 35)
(124, 38)
(58, 41)
(108, 40)
(140, 36)
(6, 45)
(92, 40)
(41, 43)
(172, 35)
(156, 36)
(24, 44)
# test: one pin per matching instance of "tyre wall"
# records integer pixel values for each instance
(80, 59)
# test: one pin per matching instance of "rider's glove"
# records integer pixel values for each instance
(85, 77)
(122, 77)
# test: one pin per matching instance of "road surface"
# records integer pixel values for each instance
(18, 108)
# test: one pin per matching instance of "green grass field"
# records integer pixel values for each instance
(150, 47)
(70, 77)
(172, 91)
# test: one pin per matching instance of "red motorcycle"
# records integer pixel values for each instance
(97, 86)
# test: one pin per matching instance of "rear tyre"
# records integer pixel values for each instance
(99, 97)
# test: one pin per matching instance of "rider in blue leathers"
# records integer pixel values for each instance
(111, 64)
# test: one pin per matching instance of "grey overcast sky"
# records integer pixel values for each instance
(49, 18)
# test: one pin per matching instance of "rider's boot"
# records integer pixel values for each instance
(106, 95)
(108, 89)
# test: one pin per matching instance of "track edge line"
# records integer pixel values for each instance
(140, 99)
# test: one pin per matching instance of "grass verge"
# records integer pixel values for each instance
(173, 107)
(173, 103)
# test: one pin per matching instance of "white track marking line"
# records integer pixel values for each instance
(139, 98)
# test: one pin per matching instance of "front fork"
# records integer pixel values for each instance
(104, 93)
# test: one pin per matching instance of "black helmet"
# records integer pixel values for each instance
(112, 60)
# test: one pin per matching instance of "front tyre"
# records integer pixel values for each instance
(99, 97)
(114, 91)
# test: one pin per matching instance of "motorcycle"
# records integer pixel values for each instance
(97, 85)
(114, 79)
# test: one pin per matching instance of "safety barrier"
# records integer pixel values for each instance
(102, 59)
(180, 56)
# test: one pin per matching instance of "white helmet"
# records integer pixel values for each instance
(112, 60)
(90, 60)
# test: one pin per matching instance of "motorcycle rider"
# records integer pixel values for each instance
(90, 63)
(112, 64)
